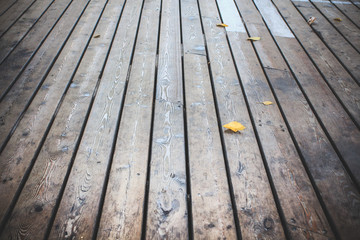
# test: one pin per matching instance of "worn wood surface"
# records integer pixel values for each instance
(112, 114)
(344, 51)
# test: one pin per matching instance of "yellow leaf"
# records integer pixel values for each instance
(97, 36)
(254, 38)
(311, 20)
(338, 19)
(234, 126)
(222, 25)
(267, 103)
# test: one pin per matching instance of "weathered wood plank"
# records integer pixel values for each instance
(79, 207)
(19, 30)
(12, 14)
(17, 61)
(5, 5)
(122, 214)
(16, 158)
(319, 156)
(342, 84)
(40, 193)
(348, 30)
(279, 151)
(348, 55)
(348, 9)
(340, 127)
(253, 196)
(167, 207)
(30, 80)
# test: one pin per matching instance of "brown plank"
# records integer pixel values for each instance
(341, 83)
(348, 9)
(347, 29)
(5, 5)
(20, 57)
(16, 158)
(13, 13)
(40, 193)
(19, 30)
(256, 208)
(79, 207)
(279, 151)
(167, 209)
(28, 83)
(340, 127)
(122, 214)
(348, 55)
(321, 159)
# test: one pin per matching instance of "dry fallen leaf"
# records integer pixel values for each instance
(222, 25)
(97, 36)
(254, 38)
(267, 103)
(338, 19)
(234, 126)
(311, 20)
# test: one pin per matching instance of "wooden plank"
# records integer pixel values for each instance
(40, 193)
(322, 161)
(167, 216)
(13, 14)
(346, 28)
(297, 203)
(16, 159)
(348, 55)
(30, 80)
(79, 207)
(122, 214)
(341, 83)
(340, 127)
(19, 30)
(22, 55)
(5, 5)
(348, 9)
(253, 197)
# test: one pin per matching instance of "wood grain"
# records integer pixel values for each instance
(347, 8)
(40, 193)
(31, 79)
(167, 210)
(346, 28)
(19, 30)
(320, 157)
(5, 5)
(16, 62)
(342, 84)
(16, 158)
(11, 16)
(340, 127)
(122, 214)
(339, 46)
(79, 206)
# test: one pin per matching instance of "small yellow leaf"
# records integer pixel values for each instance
(267, 103)
(222, 25)
(311, 20)
(97, 36)
(234, 126)
(338, 19)
(254, 38)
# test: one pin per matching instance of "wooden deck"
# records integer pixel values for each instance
(112, 114)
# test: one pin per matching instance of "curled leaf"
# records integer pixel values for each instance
(97, 36)
(338, 19)
(311, 20)
(254, 38)
(267, 103)
(222, 25)
(234, 126)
